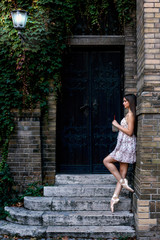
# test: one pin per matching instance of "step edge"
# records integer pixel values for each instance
(122, 227)
(45, 229)
(42, 213)
(27, 198)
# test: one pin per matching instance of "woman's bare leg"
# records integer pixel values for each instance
(123, 172)
(115, 198)
(109, 163)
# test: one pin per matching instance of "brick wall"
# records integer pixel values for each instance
(32, 146)
(140, 42)
(48, 138)
(130, 71)
(147, 173)
(24, 155)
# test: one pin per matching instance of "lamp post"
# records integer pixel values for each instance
(19, 18)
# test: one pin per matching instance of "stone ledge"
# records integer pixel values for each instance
(147, 110)
(82, 40)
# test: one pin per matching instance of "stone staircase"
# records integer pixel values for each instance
(77, 206)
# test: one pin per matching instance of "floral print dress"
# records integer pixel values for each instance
(125, 150)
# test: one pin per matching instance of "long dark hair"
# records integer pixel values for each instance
(131, 98)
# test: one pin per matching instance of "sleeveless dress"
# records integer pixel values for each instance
(125, 150)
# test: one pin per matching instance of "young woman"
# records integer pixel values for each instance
(125, 150)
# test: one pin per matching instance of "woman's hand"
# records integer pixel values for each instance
(115, 123)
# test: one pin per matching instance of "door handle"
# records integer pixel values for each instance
(84, 107)
(95, 104)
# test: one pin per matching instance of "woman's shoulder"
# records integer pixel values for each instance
(129, 115)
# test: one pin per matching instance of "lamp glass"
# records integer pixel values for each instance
(19, 18)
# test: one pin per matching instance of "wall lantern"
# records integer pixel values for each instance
(19, 18)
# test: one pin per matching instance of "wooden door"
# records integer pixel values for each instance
(92, 88)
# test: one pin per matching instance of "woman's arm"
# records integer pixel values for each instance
(129, 131)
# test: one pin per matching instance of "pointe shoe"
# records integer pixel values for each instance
(114, 200)
(124, 183)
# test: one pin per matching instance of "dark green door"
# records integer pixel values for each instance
(92, 88)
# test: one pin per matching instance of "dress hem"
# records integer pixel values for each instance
(121, 161)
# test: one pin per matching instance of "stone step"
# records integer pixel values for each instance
(87, 218)
(82, 191)
(24, 216)
(68, 218)
(92, 232)
(89, 232)
(99, 179)
(74, 204)
(13, 229)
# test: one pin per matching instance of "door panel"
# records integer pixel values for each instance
(91, 95)
(106, 99)
(73, 115)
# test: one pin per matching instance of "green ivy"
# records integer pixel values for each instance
(6, 191)
(125, 10)
(9, 196)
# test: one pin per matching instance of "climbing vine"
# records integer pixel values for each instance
(27, 70)
(125, 10)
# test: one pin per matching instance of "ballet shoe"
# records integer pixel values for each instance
(124, 184)
(114, 200)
